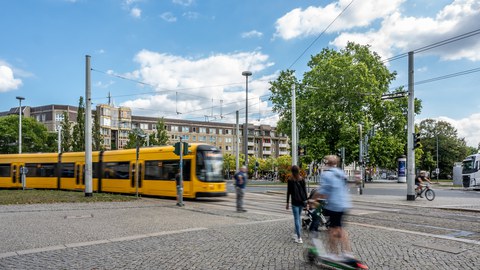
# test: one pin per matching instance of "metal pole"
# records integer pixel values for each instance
(437, 170)
(360, 156)
(20, 124)
(245, 128)
(180, 191)
(410, 131)
(59, 129)
(294, 128)
(88, 130)
(237, 146)
(136, 164)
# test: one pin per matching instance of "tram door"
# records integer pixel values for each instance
(16, 169)
(133, 179)
(16, 174)
(79, 176)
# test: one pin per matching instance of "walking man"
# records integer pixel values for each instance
(240, 184)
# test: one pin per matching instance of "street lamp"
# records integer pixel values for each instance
(20, 124)
(245, 128)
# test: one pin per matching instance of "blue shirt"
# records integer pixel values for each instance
(333, 185)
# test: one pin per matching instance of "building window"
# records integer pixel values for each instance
(202, 138)
(144, 126)
(228, 140)
(186, 137)
(154, 126)
(220, 131)
(212, 131)
(202, 130)
(185, 129)
(194, 138)
(59, 116)
(212, 139)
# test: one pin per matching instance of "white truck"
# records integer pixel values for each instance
(471, 171)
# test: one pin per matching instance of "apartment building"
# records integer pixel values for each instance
(117, 122)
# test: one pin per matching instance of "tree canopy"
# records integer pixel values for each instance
(451, 149)
(341, 92)
(35, 137)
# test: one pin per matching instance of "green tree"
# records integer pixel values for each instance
(161, 136)
(135, 136)
(97, 138)
(35, 137)
(79, 128)
(451, 148)
(341, 91)
(66, 133)
(228, 163)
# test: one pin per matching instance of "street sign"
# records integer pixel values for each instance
(437, 171)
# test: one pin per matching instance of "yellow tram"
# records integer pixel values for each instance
(114, 171)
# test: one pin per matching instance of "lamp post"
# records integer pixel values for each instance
(20, 124)
(245, 128)
(139, 134)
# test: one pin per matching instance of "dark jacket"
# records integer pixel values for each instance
(237, 178)
(298, 191)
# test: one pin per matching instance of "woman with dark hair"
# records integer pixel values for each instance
(297, 190)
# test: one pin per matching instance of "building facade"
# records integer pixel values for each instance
(117, 122)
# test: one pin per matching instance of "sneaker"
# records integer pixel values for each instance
(299, 240)
(294, 236)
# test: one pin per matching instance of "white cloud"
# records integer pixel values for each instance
(197, 81)
(252, 34)
(191, 15)
(468, 128)
(313, 20)
(136, 12)
(406, 33)
(183, 2)
(168, 16)
(7, 79)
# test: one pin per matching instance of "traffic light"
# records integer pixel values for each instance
(177, 149)
(416, 140)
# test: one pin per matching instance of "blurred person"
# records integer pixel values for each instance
(419, 182)
(334, 190)
(296, 189)
(240, 184)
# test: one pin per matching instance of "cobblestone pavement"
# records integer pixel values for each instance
(153, 234)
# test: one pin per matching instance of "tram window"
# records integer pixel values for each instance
(94, 169)
(117, 170)
(41, 169)
(166, 169)
(4, 170)
(68, 170)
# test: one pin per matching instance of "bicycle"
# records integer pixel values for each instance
(429, 193)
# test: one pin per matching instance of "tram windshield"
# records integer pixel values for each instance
(209, 165)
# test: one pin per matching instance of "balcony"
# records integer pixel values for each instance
(267, 152)
(251, 152)
(283, 153)
(251, 144)
(267, 144)
(283, 145)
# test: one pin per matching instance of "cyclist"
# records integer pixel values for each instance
(419, 182)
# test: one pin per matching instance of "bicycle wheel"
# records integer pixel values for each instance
(430, 194)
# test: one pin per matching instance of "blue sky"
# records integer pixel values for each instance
(190, 54)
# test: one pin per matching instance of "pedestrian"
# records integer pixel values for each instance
(240, 184)
(296, 189)
(334, 190)
(179, 185)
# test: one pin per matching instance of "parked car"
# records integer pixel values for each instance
(392, 177)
